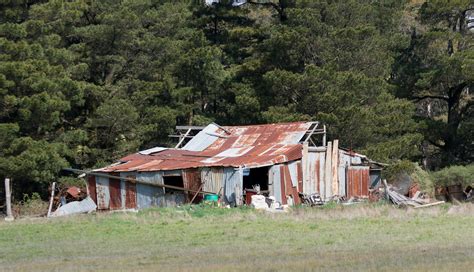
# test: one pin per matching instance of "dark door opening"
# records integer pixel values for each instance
(173, 181)
(256, 176)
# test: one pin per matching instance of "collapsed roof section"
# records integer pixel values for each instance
(231, 146)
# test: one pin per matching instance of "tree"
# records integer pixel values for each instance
(435, 71)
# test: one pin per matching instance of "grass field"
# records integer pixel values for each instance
(356, 238)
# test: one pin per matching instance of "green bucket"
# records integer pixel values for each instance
(212, 198)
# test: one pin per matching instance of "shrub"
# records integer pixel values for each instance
(454, 175)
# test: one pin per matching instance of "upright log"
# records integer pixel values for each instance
(327, 173)
(53, 187)
(8, 198)
(335, 167)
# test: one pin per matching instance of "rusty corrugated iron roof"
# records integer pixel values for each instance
(231, 146)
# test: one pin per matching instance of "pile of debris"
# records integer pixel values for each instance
(418, 200)
(69, 200)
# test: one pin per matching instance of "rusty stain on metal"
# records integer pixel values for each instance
(130, 194)
(358, 182)
(115, 193)
(249, 146)
(92, 187)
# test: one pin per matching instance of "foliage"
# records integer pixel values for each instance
(435, 71)
(401, 167)
(455, 175)
(82, 83)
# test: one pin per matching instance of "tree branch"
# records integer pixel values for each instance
(277, 7)
(436, 144)
(419, 98)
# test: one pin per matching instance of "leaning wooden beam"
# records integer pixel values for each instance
(429, 204)
(181, 139)
(136, 181)
(310, 133)
(53, 187)
(189, 127)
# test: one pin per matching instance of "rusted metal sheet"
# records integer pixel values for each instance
(316, 165)
(192, 181)
(282, 185)
(358, 181)
(115, 193)
(246, 146)
(300, 176)
(103, 196)
(130, 195)
(92, 187)
(148, 195)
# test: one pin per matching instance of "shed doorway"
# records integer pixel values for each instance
(256, 176)
(173, 181)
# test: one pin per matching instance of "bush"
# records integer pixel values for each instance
(454, 175)
(394, 170)
(30, 206)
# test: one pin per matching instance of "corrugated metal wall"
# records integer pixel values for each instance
(212, 179)
(192, 181)
(103, 196)
(314, 182)
(233, 180)
(284, 180)
(148, 195)
(91, 186)
(358, 181)
(274, 182)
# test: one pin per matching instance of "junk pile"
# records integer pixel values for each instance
(269, 204)
(417, 200)
(68, 200)
(455, 193)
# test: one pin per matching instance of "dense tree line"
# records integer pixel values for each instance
(85, 82)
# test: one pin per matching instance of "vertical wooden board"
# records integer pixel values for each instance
(115, 193)
(365, 182)
(282, 181)
(92, 188)
(334, 168)
(350, 187)
(318, 176)
(300, 176)
(306, 176)
(357, 182)
(289, 188)
(130, 195)
(327, 173)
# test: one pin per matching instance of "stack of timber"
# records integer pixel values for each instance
(403, 201)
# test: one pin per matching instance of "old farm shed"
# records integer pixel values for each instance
(284, 159)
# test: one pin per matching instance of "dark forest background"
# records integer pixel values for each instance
(83, 83)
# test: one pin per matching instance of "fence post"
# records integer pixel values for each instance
(8, 198)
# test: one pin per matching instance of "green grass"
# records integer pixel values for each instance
(360, 238)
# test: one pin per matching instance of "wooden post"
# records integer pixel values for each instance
(324, 136)
(305, 168)
(8, 199)
(327, 173)
(335, 167)
(53, 187)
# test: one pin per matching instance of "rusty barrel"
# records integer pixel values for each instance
(456, 192)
